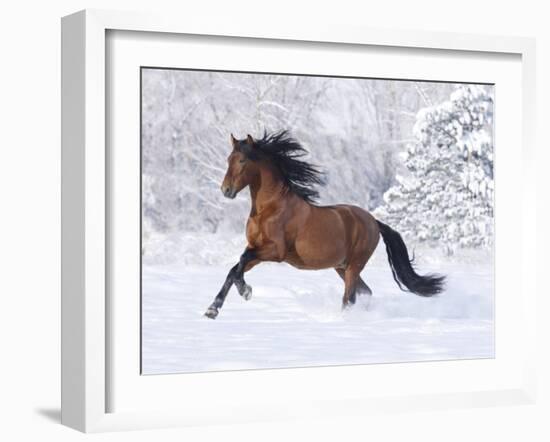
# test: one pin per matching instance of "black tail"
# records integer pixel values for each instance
(402, 269)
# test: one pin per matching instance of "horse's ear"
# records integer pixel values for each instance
(250, 140)
(233, 141)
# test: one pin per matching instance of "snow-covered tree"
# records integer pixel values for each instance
(445, 198)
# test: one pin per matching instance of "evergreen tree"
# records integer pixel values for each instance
(446, 197)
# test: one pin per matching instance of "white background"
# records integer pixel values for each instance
(29, 229)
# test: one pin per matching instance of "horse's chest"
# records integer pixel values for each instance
(254, 232)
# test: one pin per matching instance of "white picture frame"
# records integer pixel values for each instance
(86, 204)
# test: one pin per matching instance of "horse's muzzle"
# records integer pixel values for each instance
(229, 192)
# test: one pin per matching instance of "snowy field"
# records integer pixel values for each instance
(294, 318)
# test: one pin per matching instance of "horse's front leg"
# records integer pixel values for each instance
(215, 307)
(235, 276)
(247, 261)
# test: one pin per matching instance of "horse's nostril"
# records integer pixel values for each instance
(227, 191)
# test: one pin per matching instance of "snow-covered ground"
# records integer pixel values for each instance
(294, 318)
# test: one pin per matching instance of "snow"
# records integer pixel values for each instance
(294, 318)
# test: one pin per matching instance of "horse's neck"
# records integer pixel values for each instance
(266, 190)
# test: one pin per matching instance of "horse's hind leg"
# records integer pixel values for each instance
(351, 275)
(362, 287)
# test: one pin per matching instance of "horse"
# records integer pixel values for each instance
(286, 225)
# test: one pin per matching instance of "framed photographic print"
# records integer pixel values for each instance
(294, 213)
(291, 222)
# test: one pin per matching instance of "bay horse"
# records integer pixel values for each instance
(285, 224)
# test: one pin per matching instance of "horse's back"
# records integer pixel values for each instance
(359, 223)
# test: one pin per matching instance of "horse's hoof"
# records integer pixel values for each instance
(347, 306)
(211, 313)
(247, 292)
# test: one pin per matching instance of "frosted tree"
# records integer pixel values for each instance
(445, 198)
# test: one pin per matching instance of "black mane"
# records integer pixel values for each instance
(285, 153)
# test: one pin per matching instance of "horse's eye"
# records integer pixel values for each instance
(242, 161)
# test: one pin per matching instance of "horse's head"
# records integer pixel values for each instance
(241, 170)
